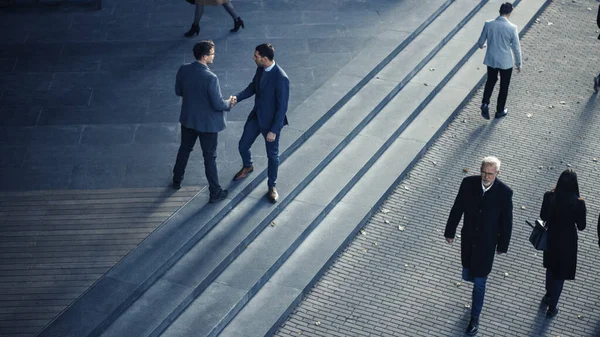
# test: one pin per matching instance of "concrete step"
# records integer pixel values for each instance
(446, 91)
(211, 255)
(115, 293)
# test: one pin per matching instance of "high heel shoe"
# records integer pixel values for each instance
(195, 30)
(237, 24)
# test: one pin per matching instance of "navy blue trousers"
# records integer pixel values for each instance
(251, 132)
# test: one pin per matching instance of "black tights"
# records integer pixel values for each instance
(200, 10)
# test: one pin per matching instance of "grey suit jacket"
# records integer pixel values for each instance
(501, 36)
(203, 107)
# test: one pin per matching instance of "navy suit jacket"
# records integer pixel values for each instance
(203, 105)
(271, 97)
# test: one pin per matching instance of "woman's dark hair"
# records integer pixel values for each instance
(203, 48)
(567, 188)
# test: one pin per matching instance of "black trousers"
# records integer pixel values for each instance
(553, 288)
(208, 143)
(492, 77)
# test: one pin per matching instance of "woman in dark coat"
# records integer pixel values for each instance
(564, 212)
(195, 30)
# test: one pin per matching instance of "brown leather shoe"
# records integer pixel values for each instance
(243, 173)
(273, 195)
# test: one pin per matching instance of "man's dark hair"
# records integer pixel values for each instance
(266, 50)
(506, 8)
(203, 48)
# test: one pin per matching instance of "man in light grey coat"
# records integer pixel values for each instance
(202, 116)
(502, 36)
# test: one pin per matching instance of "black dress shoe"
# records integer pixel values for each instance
(485, 111)
(219, 196)
(473, 326)
(502, 113)
(551, 312)
(176, 184)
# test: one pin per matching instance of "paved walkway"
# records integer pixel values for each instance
(406, 282)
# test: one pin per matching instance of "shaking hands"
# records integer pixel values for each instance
(233, 100)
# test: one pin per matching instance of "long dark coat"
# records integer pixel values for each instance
(562, 220)
(487, 225)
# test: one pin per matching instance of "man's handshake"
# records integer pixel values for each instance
(233, 100)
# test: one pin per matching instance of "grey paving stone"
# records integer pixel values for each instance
(35, 177)
(7, 64)
(58, 135)
(157, 133)
(156, 175)
(19, 116)
(92, 115)
(142, 63)
(63, 64)
(116, 97)
(25, 81)
(12, 156)
(297, 31)
(52, 97)
(96, 176)
(107, 134)
(103, 49)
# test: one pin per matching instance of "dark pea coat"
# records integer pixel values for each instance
(487, 224)
(563, 219)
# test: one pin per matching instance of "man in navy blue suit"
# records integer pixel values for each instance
(271, 89)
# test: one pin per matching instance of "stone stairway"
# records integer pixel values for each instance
(239, 268)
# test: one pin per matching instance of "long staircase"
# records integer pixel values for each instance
(239, 268)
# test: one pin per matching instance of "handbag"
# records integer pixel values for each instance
(539, 235)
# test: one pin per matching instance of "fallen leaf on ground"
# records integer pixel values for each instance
(401, 228)
(363, 232)
(523, 207)
(385, 210)
(465, 170)
(317, 323)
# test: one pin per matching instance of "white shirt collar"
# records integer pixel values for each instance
(270, 67)
(486, 189)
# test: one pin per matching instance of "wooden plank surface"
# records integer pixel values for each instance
(55, 244)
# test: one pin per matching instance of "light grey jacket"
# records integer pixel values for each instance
(203, 108)
(501, 36)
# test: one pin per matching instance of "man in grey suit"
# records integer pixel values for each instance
(202, 116)
(501, 36)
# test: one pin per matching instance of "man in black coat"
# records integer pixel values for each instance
(486, 203)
